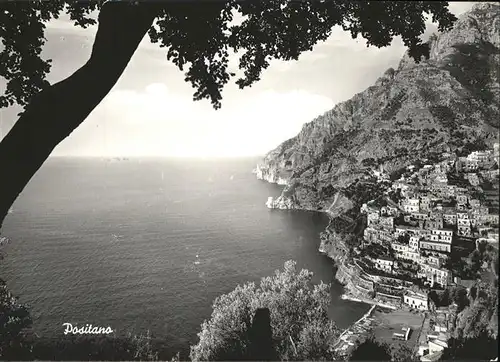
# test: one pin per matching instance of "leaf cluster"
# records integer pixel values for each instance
(201, 37)
(301, 328)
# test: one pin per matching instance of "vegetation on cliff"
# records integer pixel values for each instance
(372, 350)
(14, 320)
(480, 313)
(345, 231)
(298, 314)
(482, 347)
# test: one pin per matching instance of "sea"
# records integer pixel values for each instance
(148, 244)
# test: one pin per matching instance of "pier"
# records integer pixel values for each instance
(348, 338)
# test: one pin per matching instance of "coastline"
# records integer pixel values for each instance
(360, 328)
(282, 203)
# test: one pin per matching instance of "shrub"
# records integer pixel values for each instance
(301, 328)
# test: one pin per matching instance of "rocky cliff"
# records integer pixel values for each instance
(445, 102)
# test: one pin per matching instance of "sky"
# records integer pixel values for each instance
(150, 111)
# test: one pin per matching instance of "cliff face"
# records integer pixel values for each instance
(481, 313)
(412, 112)
(334, 246)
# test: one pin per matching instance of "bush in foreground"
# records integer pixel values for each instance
(297, 313)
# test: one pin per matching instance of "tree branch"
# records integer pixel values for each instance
(58, 110)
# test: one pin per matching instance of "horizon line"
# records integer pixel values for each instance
(155, 156)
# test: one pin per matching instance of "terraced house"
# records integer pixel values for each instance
(434, 274)
(415, 300)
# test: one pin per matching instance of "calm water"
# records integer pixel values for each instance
(149, 244)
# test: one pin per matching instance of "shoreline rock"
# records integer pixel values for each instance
(282, 203)
(264, 173)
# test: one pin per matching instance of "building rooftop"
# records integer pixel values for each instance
(413, 294)
(384, 257)
(431, 357)
(443, 229)
(435, 242)
(439, 342)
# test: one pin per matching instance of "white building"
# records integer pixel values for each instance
(496, 152)
(473, 179)
(462, 199)
(411, 205)
(475, 203)
(389, 210)
(402, 229)
(434, 274)
(414, 243)
(419, 215)
(435, 260)
(416, 300)
(437, 345)
(438, 246)
(463, 224)
(425, 203)
(480, 159)
(441, 235)
(387, 221)
(450, 218)
(436, 222)
(464, 227)
(398, 247)
(384, 263)
(373, 218)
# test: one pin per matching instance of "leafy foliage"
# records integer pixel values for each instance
(22, 28)
(371, 350)
(404, 239)
(444, 298)
(201, 38)
(300, 325)
(14, 320)
(327, 192)
(403, 353)
(362, 191)
(481, 313)
(483, 347)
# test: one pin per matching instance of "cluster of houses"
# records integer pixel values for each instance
(436, 206)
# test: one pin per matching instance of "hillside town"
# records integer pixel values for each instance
(418, 235)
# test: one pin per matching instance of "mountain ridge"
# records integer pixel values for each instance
(443, 103)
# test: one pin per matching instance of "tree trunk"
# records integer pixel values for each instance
(58, 110)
